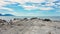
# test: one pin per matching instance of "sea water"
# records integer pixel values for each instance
(53, 18)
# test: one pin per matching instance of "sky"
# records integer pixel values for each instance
(30, 7)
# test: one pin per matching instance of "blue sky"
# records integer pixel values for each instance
(30, 7)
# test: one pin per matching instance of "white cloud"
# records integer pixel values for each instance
(3, 3)
(32, 14)
(52, 0)
(33, 1)
(29, 7)
(58, 10)
(3, 8)
(11, 11)
(24, 1)
(46, 8)
(37, 1)
(19, 1)
(58, 3)
(50, 4)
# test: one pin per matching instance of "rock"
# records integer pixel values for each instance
(25, 19)
(34, 18)
(49, 32)
(46, 20)
(58, 27)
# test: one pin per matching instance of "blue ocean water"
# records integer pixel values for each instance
(53, 18)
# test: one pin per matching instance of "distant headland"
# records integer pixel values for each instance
(6, 15)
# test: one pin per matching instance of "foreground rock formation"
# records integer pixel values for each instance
(30, 26)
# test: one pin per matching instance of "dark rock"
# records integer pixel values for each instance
(46, 20)
(14, 19)
(4, 20)
(34, 18)
(25, 19)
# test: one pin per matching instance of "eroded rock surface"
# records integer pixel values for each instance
(31, 27)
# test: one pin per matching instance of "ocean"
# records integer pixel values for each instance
(53, 18)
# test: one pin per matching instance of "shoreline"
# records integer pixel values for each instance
(53, 18)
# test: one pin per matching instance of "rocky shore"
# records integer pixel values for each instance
(29, 26)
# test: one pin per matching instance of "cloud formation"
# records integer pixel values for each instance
(48, 3)
(46, 8)
(44, 5)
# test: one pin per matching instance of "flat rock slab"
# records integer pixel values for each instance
(29, 30)
(36, 28)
